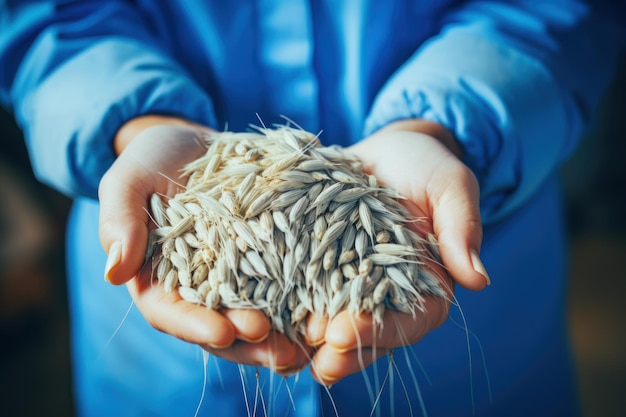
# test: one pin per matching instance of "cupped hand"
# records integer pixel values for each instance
(150, 161)
(420, 160)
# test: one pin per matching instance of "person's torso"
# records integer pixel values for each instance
(319, 63)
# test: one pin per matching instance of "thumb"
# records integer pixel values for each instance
(458, 227)
(123, 224)
(143, 168)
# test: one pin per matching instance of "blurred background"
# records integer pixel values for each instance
(35, 370)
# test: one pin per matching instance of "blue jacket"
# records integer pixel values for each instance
(516, 81)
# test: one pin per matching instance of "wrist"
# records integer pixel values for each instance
(135, 126)
(427, 127)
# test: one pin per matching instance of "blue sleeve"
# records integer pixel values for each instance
(517, 82)
(73, 72)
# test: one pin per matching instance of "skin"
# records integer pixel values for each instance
(418, 158)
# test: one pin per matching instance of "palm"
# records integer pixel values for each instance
(150, 164)
(438, 187)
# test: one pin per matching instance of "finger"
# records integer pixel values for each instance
(458, 227)
(315, 329)
(349, 332)
(251, 325)
(329, 365)
(276, 352)
(187, 321)
(123, 224)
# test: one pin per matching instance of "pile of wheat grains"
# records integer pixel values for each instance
(272, 220)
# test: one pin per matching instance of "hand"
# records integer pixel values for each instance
(151, 156)
(420, 160)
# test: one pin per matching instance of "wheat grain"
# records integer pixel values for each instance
(274, 221)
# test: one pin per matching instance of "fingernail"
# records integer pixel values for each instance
(315, 331)
(286, 370)
(478, 266)
(113, 259)
(327, 381)
(250, 340)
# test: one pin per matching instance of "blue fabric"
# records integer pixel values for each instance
(515, 81)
